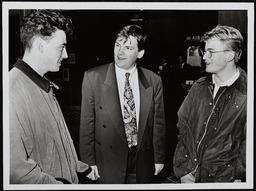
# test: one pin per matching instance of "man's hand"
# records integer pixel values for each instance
(189, 178)
(94, 175)
(158, 168)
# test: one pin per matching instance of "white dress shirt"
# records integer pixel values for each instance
(134, 82)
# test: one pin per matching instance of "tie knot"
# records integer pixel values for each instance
(127, 75)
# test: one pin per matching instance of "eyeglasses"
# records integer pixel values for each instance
(210, 52)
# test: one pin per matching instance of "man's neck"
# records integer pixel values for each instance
(223, 77)
(34, 62)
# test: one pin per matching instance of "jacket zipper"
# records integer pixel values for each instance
(212, 111)
(206, 126)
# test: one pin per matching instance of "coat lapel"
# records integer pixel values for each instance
(146, 95)
(111, 98)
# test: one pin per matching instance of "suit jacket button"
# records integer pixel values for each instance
(110, 147)
(104, 126)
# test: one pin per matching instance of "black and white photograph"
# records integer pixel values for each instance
(128, 95)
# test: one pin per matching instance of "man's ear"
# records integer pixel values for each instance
(140, 54)
(39, 44)
(231, 56)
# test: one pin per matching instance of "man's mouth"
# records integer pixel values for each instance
(120, 58)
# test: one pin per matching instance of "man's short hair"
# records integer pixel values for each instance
(229, 36)
(43, 23)
(135, 31)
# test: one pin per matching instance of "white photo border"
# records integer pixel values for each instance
(6, 6)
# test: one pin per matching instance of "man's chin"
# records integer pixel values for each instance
(56, 70)
(119, 64)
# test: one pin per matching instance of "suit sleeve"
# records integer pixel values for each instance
(159, 125)
(87, 123)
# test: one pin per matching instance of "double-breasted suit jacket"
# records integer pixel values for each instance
(102, 134)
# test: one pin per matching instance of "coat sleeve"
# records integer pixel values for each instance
(180, 159)
(240, 162)
(87, 123)
(159, 139)
(24, 170)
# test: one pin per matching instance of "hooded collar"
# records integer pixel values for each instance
(40, 81)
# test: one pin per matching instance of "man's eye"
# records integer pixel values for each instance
(62, 48)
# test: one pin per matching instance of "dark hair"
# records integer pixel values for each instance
(135, 31)
(228, 35)
(43, 23)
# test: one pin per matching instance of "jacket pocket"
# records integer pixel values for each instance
(181, 155)
(221, 173)
(50, 156)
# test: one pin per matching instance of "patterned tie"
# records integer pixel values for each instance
(129, 114)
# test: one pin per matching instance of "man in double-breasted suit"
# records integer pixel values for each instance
(105, 143)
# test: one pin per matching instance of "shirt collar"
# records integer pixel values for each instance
(42, 82)
(123, 71)
(230, 81)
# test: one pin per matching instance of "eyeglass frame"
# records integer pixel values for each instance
(212, 52)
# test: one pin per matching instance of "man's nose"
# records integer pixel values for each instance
(121, 50)
(64, 53)
(205, 56)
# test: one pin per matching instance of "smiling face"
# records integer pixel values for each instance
(126, 52)
(218, 62)
(54, 51)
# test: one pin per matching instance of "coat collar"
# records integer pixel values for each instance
(111, 76)
(40, 81)
(240, 84)
(142, 78)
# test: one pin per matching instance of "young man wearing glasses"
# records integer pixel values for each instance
(212, 118)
